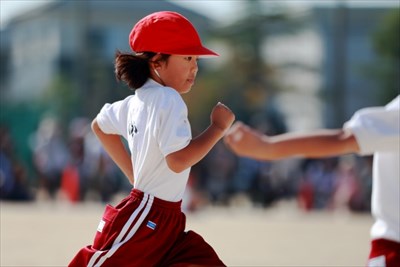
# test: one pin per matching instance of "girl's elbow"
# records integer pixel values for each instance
(175, 164)
(177, 168)
(95, 127)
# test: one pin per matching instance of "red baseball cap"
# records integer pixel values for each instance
(168, 33)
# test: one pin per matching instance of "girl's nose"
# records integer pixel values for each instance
(195, 66)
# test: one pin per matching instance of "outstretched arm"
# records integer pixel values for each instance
(221, 119)
(115, 148)
(247, 142)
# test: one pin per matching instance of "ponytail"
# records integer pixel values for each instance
(134, 70)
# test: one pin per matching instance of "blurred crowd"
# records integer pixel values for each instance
(316, 184)
(70, 165)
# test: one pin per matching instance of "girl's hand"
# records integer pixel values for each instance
(222, 117)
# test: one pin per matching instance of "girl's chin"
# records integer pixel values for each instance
(186, 91)
(187, 88)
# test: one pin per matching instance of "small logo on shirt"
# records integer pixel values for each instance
(132, 129)
(151, 225)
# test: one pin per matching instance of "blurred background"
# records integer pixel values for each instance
(284, 66)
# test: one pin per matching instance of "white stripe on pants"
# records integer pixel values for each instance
(119, 241)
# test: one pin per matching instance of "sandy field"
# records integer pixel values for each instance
(50, 233)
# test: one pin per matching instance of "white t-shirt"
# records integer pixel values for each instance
(154, 122)
(377, 132)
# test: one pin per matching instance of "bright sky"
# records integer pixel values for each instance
(217, 9)
(10, 8)
(220, 10)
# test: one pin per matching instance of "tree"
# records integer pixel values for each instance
(386, 42)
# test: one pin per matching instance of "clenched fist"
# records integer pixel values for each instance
(222, 117)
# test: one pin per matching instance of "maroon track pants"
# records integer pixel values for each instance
(143, 230)
(384, 253)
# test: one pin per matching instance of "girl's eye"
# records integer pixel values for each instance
(191, 58)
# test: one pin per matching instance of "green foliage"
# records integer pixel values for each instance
(62, 99)
(386, 42)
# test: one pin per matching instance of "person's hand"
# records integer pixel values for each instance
(222, 117)
(243, 140)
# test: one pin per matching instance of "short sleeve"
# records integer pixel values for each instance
(112, 118)
(174, 131)
(376, 129)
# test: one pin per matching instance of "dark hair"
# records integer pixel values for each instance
(134, 70)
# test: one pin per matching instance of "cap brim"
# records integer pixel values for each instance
(200, 51)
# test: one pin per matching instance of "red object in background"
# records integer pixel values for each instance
(70, 183)
(306, 196)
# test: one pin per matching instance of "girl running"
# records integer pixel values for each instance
(147, 228)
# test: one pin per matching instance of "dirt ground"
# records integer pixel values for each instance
(50, 233)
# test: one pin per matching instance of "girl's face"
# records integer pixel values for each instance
(178, 72)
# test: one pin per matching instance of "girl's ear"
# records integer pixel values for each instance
(153, 64)
(155, 61)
